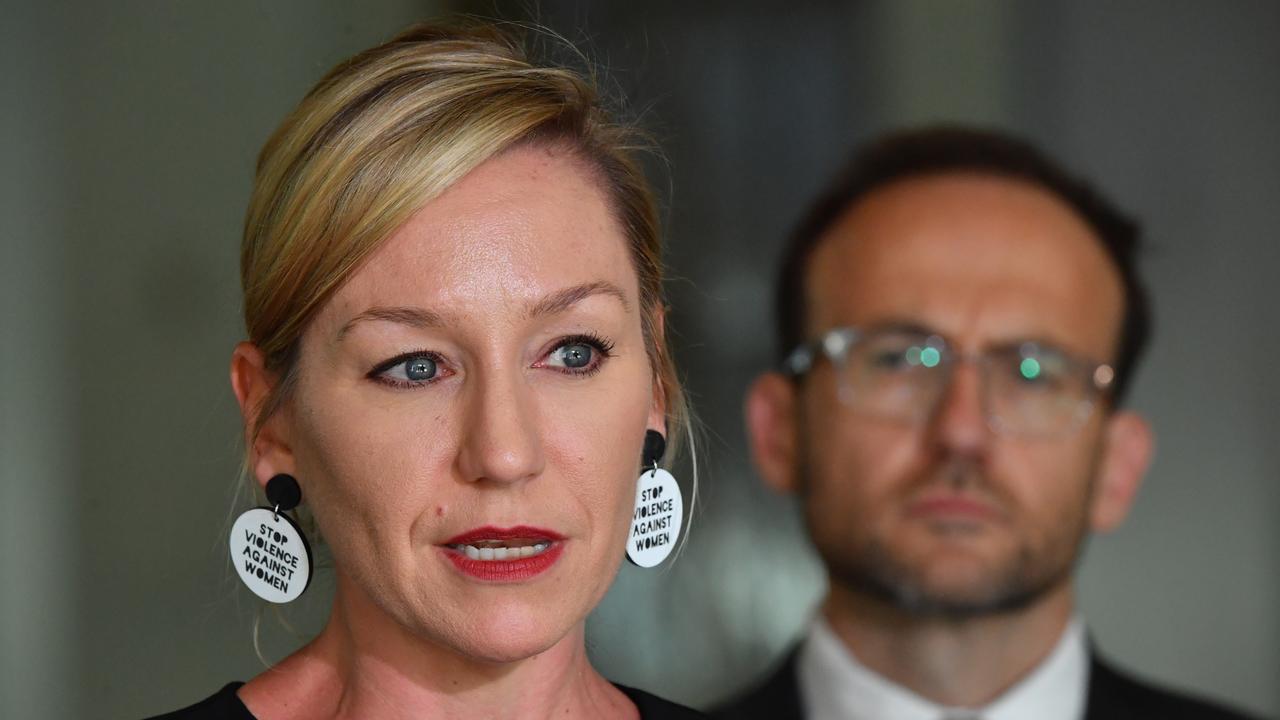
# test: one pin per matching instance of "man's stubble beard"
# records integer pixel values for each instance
(872, 568)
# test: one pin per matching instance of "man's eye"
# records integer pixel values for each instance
(573, 356)
(1038, 371)
(903, 359)
(889, 360)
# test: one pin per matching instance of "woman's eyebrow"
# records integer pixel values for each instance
(556, 302)
(405, 315)
(562, 300)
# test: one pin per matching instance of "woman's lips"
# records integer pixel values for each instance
(504, 554)
(497, 534)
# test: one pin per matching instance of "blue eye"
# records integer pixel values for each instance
(408, 370)
(573, 356)
(579, 354)
(420, 368)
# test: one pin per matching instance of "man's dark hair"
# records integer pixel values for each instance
(950, 149)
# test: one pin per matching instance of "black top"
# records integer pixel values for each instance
(1111, 695)
(1115, 694)
(226, 705)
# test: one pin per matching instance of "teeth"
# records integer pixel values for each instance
(502, 553)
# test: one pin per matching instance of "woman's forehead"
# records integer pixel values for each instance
(525, 224)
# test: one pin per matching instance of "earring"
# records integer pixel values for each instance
(268, 549)
(655, 524)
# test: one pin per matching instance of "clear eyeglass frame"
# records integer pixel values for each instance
(1026, 388)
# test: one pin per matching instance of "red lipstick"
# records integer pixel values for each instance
(511, 554)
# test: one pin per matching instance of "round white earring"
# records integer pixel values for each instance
(268, 549)
(659, 508)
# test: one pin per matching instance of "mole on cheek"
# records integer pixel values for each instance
(439, 511)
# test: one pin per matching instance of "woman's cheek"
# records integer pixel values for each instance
(348, 473)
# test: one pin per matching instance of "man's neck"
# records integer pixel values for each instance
(960, 663)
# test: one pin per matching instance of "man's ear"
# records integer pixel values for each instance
(771, 412)
(271, 452)
(1126, 456)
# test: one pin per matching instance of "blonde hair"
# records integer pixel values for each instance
(390, 129)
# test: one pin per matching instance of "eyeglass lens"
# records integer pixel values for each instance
(1027, 388)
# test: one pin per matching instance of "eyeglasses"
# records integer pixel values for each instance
(1027, 388)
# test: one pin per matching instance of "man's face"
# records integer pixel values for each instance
(944, 515)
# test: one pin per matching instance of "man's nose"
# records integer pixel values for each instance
(959, 420)
(501, 442)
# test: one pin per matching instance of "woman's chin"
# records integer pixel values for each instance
(510, 642)
(510, 634)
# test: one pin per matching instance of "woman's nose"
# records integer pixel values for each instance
(501, 439)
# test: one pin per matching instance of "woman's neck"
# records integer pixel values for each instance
(365, 664)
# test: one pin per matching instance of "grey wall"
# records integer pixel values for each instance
(37, 471)
(1171, 107)
(1176, 105)
(129, 136)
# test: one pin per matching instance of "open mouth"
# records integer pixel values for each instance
(504, 554)
(501, 550)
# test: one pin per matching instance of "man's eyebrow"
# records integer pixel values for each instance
(1003, 342)
(901, 325)
(1043, 341)
(562, 300)
(405, 315)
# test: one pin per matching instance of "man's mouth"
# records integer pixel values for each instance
(952, 507)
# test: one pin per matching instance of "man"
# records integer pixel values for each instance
(960, 320)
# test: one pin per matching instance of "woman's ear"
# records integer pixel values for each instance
(771, 429)
(1126, 456)
(270, 452)
(658, 405)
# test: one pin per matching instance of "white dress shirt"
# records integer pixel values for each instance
(835, 686)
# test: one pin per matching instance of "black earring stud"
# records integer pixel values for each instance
(655, 446)
(283, 492)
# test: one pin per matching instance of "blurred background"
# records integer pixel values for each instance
(130, 131)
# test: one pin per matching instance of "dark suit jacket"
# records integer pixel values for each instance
(1112, 695)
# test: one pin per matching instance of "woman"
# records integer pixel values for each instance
(452, 291)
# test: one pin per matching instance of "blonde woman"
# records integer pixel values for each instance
(452, 291)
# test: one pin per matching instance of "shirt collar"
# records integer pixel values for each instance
(835, 686)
